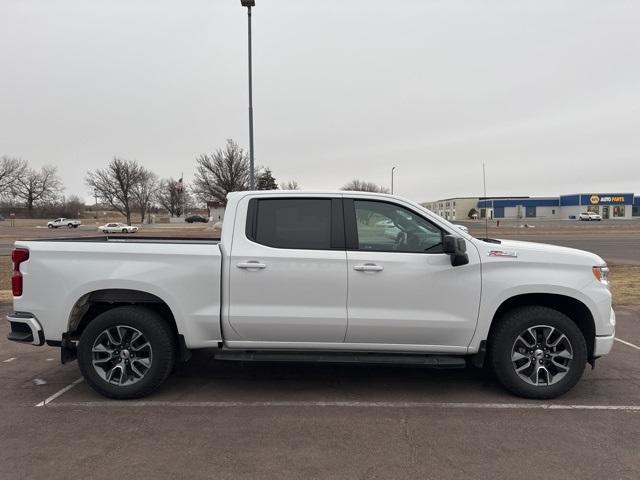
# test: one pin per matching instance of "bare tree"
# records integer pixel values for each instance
(290, 185)
(10, 170)
(70, 207)
(173, 196)
(144, 191)
(35, 187)
(361, 186)
(224, 171)
(116, 184)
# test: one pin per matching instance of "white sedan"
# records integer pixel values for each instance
(588, 216)
(118, 228)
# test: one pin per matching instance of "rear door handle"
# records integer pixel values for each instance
(368, 267)
(251, 264)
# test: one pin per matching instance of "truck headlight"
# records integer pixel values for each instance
(601, 273)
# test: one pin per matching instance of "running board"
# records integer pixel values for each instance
(427, 361)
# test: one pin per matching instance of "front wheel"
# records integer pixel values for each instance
(537, 352)
(50, 226)
(126, 352)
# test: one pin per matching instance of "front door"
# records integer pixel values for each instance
(288, 272)
(605, 212)
(403, 289)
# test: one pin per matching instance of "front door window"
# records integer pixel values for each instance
(385, 227)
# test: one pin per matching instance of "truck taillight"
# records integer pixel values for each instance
(18, 255)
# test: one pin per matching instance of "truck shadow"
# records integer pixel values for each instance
(205, 377)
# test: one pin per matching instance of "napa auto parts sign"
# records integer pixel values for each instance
(608, 199)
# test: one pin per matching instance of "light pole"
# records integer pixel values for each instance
(252, 181)
(392, 170)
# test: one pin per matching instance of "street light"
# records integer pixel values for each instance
(392, 170)
(252, 182)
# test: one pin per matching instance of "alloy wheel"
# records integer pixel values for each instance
(121, 355)
(542, 355)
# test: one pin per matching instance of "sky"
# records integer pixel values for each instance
(546, 93)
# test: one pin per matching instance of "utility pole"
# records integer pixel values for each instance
(252, 180)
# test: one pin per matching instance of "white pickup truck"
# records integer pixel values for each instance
(64, 222)
(308, 276)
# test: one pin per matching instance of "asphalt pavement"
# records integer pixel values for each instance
(231, 420)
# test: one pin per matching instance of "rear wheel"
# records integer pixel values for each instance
(69, 225)
(126, 352)
(124, 230)
(537, 352)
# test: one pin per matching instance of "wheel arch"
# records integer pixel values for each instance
(92, 304)
(569, 306)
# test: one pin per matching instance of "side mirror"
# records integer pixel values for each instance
(456, 248)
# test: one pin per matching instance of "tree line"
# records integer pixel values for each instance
(131, 189)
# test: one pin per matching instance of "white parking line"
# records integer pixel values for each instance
(346, 404)
(58, 393)
(627, 343)
(9, 360)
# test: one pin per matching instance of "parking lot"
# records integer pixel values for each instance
(228, 420)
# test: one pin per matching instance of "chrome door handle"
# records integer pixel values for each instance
(368, 267)
(251, 264)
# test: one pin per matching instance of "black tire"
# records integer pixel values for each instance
(124, 230)
(157, 332)
(69, 225)
(105, 231)
(50, 226)
(502, 342)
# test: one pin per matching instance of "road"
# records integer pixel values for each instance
(226, 420)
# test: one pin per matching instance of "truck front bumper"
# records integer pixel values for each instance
(604, 343)
(25, 328)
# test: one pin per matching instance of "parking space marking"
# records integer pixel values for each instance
(627, 343)
(346, 404)
(58, 393)
(9, 360)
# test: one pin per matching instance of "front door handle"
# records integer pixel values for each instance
(368, 267)
(251, 264)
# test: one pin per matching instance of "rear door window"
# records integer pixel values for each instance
(300, 223)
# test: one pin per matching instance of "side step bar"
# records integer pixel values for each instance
(427, 361)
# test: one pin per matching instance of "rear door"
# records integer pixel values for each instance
(403, 289)
(288, 272)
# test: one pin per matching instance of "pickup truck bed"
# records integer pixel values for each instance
(68, 273)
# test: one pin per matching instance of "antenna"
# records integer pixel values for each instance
(486, 210)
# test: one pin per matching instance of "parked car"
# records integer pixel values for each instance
(118, 228)
(64, 222)
(297, 276)
(589, 216)
(196, 219)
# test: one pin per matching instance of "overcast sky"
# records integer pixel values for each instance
(547, 93)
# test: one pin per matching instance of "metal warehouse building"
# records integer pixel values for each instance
(609, 205)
